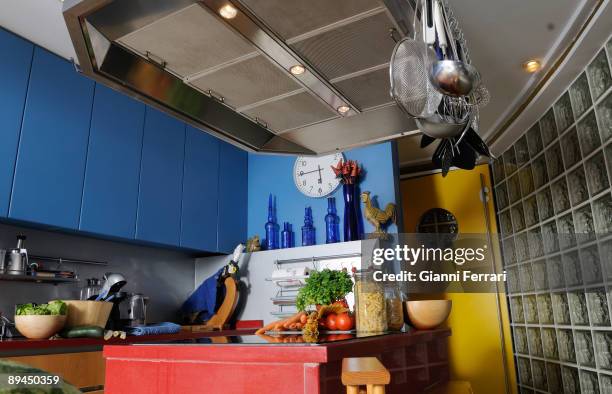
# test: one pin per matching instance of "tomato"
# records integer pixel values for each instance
(330, 321)
(344, 322)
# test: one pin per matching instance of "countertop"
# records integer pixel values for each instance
(253, 348)
(24, 346)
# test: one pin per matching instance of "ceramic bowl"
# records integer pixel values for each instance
(39, 326)
(427, 314)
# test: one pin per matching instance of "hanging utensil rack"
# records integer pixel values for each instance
(61, 260)
(47, 279)
(37, 279)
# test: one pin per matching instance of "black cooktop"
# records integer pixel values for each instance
(266, 339)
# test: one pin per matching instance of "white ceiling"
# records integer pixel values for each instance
(501, 35)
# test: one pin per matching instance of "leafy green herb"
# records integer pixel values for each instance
(56, 307)
(323, 288)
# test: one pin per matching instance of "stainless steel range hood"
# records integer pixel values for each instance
(231, 77)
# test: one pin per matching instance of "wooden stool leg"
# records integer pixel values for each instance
(378, 389)
(352, 389)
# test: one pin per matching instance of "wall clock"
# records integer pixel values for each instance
(314, 177)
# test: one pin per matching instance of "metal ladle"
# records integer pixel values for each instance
(452, 77)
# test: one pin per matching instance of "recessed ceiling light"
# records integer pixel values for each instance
(343, 109)
(298, 69)
(532, 65)
(228, 11)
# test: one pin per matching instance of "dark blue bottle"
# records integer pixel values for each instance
(272, 227)
(308, 231)
(287, 236)
(332, 222)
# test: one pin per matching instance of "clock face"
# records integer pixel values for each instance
(314, 177)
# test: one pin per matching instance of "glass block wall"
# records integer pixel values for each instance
(555, 181)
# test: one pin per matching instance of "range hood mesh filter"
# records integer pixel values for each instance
(350, 48)
(367, 90)
(293, 18)
(190, 41)
(247, 82)
(293, 111)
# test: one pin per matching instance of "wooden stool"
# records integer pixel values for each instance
(364, 371)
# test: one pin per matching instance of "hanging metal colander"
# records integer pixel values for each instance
(410, 86)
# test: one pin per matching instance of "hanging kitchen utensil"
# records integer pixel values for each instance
(473, 139)
(453, 77)
(464, 156)
(429, 30)
(440, 30)
(443, 156)
(409, 68)
(410, 85)
(437, 127)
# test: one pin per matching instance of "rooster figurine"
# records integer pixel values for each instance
(377, 216)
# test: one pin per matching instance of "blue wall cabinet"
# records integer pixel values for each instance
(48, 182)
(161, 179)
(110, 192)
(233, 199)
(14, 73)
(200, 191)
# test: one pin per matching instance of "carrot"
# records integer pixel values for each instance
(269, 327)
(303, 318)
(293, 319)
(282, 324)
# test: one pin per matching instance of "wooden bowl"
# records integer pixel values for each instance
(39, 326)
(427, 314)
(88, 313)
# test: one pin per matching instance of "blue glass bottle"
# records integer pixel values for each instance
(308, 231)
(332, 222)
(286, 236)
(271, 227)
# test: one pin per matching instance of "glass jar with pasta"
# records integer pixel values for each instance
(370, 304)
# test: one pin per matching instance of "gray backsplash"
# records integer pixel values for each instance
(166, 276)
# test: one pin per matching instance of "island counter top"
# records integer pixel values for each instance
(11, 347)
(233, 364)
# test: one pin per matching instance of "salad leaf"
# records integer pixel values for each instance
(56, 307)
(323, 288)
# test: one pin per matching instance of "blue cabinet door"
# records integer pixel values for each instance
(50, 167)
(233, 173)
(110, 192)
(200, 191)
(14, 74)
(161, 179)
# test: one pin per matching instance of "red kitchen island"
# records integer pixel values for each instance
(261, 364)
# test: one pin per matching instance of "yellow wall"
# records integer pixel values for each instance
(477, 343)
